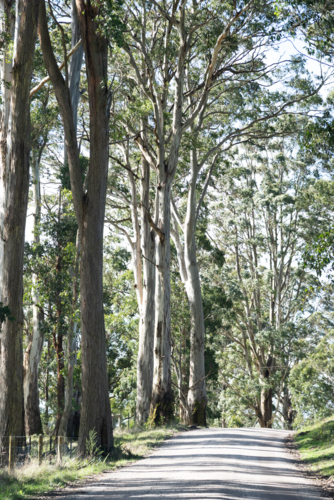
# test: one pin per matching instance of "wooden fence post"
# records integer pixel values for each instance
(60, 448)
(11, 454)
(120, 420)
(40, 449)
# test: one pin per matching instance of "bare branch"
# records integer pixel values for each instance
(47, 78)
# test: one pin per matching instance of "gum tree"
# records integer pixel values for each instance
(16, 73)
(89, 205)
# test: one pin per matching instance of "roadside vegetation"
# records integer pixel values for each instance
(33, 480)
(316, 446)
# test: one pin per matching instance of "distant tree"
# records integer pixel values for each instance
(260, 222)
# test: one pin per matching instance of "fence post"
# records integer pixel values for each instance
(40, 449)
(120, 420)
(128, 420)
(30, 447)
(11, 454)
(60, 448)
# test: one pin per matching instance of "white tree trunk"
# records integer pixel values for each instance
(162, 397)
(75, 64)
(197, 398)
(146, 324)
(74, 70)
(33, 424)
(71, 347)
(74, 81)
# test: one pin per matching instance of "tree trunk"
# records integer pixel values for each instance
(33, 423)
(74, 81)
(73, 424)
(71, 348)
(14, 177)
(288, 412)
(74, 70)
(146, 324)
(89, 209)
(58, 331)
(60, 379)
(46, 386)
(75, 64)
(197, 398)
(96, 411)
(265, 419)
(162, 405)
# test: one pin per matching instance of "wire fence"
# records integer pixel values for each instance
(17, 451)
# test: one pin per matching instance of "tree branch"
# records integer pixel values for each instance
(47, 78)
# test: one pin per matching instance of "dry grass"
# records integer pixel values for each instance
(33, 480)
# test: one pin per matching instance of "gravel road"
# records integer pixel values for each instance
(208, 464)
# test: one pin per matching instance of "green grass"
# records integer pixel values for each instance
(33, 480)
(316, 446)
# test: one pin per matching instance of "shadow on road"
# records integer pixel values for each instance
(209, 464)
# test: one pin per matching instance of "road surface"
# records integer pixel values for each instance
(208, 464)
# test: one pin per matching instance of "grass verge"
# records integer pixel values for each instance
(316, 446)
(33, 480)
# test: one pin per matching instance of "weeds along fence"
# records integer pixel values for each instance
(17, 451)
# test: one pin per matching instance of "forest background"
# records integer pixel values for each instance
(174, 160)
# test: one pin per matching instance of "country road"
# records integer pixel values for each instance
(208, 464)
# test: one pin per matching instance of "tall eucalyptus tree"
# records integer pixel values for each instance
(89, 206)
(16, 70)
(74, 74)
(131, 202)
